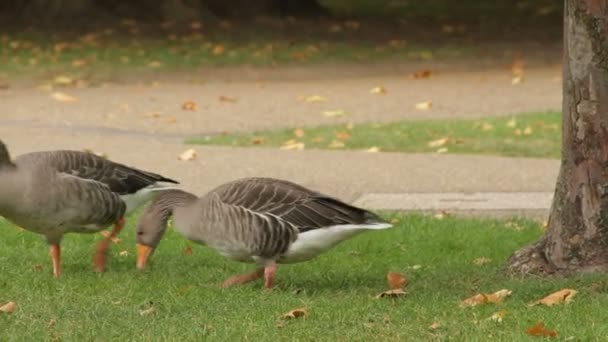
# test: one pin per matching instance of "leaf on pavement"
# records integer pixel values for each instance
(63, 97)
(188, 154)
(229, 99)
(426, 105)
(189, 105)
(332, 113)
(380, 90)
(315, 98)
(423, 73)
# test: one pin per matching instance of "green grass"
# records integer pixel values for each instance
(337, 289)
(526, 135)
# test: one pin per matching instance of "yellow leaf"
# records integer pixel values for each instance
(512, 123)
(295, 313)
(293, 144)
(63, 80)
(298, 132)
(336, 144)
(188, 154)
(395, 280)
(517, 131)
(315, 98)
(438, 142)
(442, 150)
(482, 261)
(63, 97)
(527, 130)
(380, 90)
(424, 105)
(394, 293)
(498, 316)
(559, 297)
(434, 326)
(146, 312)
(124, 253)
(155, 64)
(487, 127)
(517, 80)
(480, 298)
(189, 105)
(9, 307)
(332, 113)
(373, 149)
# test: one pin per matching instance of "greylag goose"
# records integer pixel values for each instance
(261, 220)
(56, 192)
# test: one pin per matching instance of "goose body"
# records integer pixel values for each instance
(260, 220)
(58, 192)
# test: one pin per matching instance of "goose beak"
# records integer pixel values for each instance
(143, 252)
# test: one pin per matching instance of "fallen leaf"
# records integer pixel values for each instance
(380, 90)
(332, 113)
(188, 154)
(38, 267)
(187, 251)
(539, 329)
(480, 298)
(517, 131)
(218, 49)
(373, 149)
(498, 316)
(527, 130)
(336, 144)
(257, 140)
(63, 97)
(517, 80)
(124, 253)
(189, 105)
(295, 313)
(63, 80)
(77, 63)
(106, 234)
(298, 132)
(292, 145)
(229, 99)
(512, 123)
(442, 150)
(441, 215)
(559, 297)
(315, 98)
(486, 127)
(395, 280)
(423, 73)
(153, 115)
(423, 105)
(434, 326)
(482, 261)
(9, 307)
(394, 293)
(154, 64)
(146, 312)
(438, 142)
(342, 135)
(415, 267)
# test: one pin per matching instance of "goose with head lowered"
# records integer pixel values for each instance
(259, 220)
(56, 192)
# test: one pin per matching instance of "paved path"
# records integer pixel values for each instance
(115, 119)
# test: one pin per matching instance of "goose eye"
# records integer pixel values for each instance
(140, 233)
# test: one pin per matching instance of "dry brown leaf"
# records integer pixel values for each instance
(187, 251)
(315, 98)
(298, 132)
(332, 113)
(188, 154)
(218, 49)
(63, 97)
(189, 105)
(147, 312)
(395, 280)
(9, 307)
(343, 135)
(481, 298)
(539, 329)
(380, 90)
(336, 144)
(423, 105)
(559, 297)
(257, 140)
(394, 293)
(295, 313)
(498, 316)
(438, 142)
(292, 144)
(482, 261)
(229, 99)
(38, 267)
(423, 73)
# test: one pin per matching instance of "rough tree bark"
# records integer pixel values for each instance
(577, 232)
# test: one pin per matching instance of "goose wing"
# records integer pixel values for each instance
(119, 178)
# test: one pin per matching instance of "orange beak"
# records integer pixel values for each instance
(143, 253)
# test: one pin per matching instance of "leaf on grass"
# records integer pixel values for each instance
(434, 326)
(481, 298)
(299, 132)
(38, 267)
(106, 234)
(395, 280)
(187, 251)
(512, 123)
(124, 253)
(295, 313)
(229, 99)
(147, 312)
(218, 49)
(155, 64)
(315, 98)
(9, 307)
(394, 293)
(63, 97)
(332, 113)
(423, 73)
(559, 297)
(482, 261)
(257, 140)
(487, 127)
(188, 154)
(423, 105)
(443, 214)
(539, 329)
(189, 105)
(498, 316)
(380, 90)
(292, 144)
(336, 144)
(373, 149)
(527, 130)
(439, 142)
(442, 150)
(342, 135)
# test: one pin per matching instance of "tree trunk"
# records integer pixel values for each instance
(577, 233)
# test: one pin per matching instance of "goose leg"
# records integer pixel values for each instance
(56, 257)
(244, 278)
(269, 272)
(102, 248)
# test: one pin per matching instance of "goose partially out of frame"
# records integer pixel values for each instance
(261, 220)
(56, 192)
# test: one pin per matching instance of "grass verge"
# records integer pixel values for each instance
(529, 135)
(337, 289)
